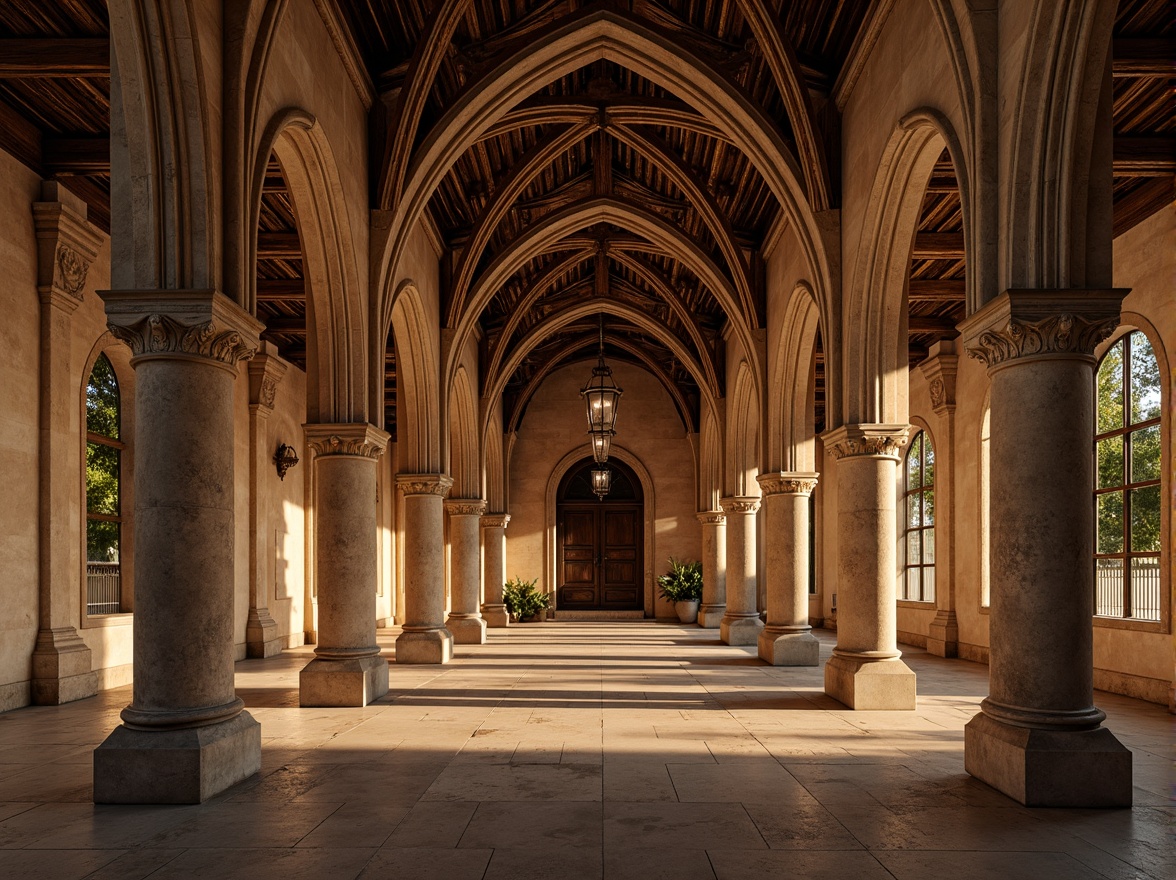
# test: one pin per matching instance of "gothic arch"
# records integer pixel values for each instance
(464, 457)
(743, 425)
(337, 378)
(710, 459)
(790, 428)
(418, 424)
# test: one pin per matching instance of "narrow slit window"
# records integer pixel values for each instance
(104, 451)
(918, 532)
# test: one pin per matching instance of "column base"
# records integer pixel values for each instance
(789, 648)
(1049, 768)
(342, 683)
(62, 668)
(467, 630)
(943, 636)
(711, 616)
(740, 630)
(496, 616)
(186, 766)
(425, 646)
(868, 684)
(261, 634)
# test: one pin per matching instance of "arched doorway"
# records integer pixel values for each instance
(600, 566)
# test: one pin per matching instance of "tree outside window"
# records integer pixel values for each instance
(104, 451)
(918, 539)
(1127, 481)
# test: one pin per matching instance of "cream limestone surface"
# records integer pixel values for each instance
(648, 427)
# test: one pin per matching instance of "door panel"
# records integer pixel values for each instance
(600, 556)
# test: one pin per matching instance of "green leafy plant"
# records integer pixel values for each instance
(522, 599)
(683, 582)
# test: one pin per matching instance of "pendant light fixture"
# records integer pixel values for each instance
(601, 398)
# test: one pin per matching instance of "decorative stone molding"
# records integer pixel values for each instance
(712, 517)
(266, 370)
(740, 504)
(495, 520)
(424, 484)
(66, 246)
(940, 368)
(874, 440)
(1036, 323)
(465, 506)
(351, 439)
(787, 483)
(182, 323)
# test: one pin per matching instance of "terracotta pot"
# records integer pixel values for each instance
(687, 610)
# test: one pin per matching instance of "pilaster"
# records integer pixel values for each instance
(1039, 737)
(66, 247)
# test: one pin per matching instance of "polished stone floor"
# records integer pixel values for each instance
(582, 750)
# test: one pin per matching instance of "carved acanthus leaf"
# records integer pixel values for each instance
(161, 334)
(740, 504)
(1058, 334)
(269, 391)
(787, 485)
(712, 518)
(333, 444)
(495, 520)
(70, 271)
(465, 507)
(424, 484)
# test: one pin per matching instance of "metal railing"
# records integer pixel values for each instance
(1145, 589)
(103, 588)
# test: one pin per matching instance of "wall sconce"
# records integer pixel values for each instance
(284, 459)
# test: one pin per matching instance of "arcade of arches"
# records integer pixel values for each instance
(299, 297)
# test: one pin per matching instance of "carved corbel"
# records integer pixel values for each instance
(66, 247)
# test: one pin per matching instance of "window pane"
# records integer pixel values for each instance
(914, 517)
(1145, 588)
(1145, 520)
(929, 507)
(1110, 462)
(1108, 587)
(929, 584)
(102, 541)
(914, 463)
(929, 458)
(911, 590)
(102, 479)
(914, 545)
(102, 400)
(929, 546)
(1110, 389)
(1110, 523)
(1145, 454)
(1145, 380)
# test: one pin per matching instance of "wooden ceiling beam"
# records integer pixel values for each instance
(20, 138)
(286, 326)
(57, 57)
(278, 246)
(1135, 207)
(936, 290)
(1135, 56)
(281, 289)
(78, 155)
(1144, 156)
(938, 246)
(931, 324)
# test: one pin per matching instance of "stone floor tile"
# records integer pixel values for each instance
(266, 864)
(225, 825)
(976, 865)
(356, 825)
(737, 783)
(800, 827)
(424, 863)
(638, 781)
(53, 864)
(642, 863)
(812, 865)
(686, 826)
(541, 861)
(137, 864)
(433, 824)
(515, 825)
(517, 782)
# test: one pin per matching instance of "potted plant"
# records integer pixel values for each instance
(523, 601)
(682, 585)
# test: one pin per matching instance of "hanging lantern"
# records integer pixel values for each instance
(601, 395)
(601, 480)
(601, 441)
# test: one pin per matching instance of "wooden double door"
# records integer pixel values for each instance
(600, 565)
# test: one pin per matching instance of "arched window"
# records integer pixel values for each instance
(104, 450)
(1127, 481)
(918, 540)
(985, 501)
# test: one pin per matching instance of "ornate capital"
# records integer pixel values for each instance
(940, 371)
(424, 484)
(265, 374)
(740, 504)
(872, 440)
(1042, 323)
(66, 247)
(465, 506)
(356, 439)
(787, 483)
(495, 520)
(712, 517)
(172, 324)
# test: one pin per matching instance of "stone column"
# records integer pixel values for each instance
(714, 569)
(424, 638)
(261, 630)
(66, 246)
(347, 669)
(943, 638)
(741, 623)
(494, 568)
(866, 670)
(465, 570)
(1038, 737)
(787, 640)
(184, 738)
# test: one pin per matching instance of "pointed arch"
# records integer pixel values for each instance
(710, 458)
(790, 429)
(743, 446)
(464, 454)
(418, 402)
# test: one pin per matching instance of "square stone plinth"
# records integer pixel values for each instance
(789, 649)
(496, 616)
(185, 766)
(870, 684)
(342, 682)
(711, 616)
(430, 646)
(741, 630)
(467, 630)
(1046, 768)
